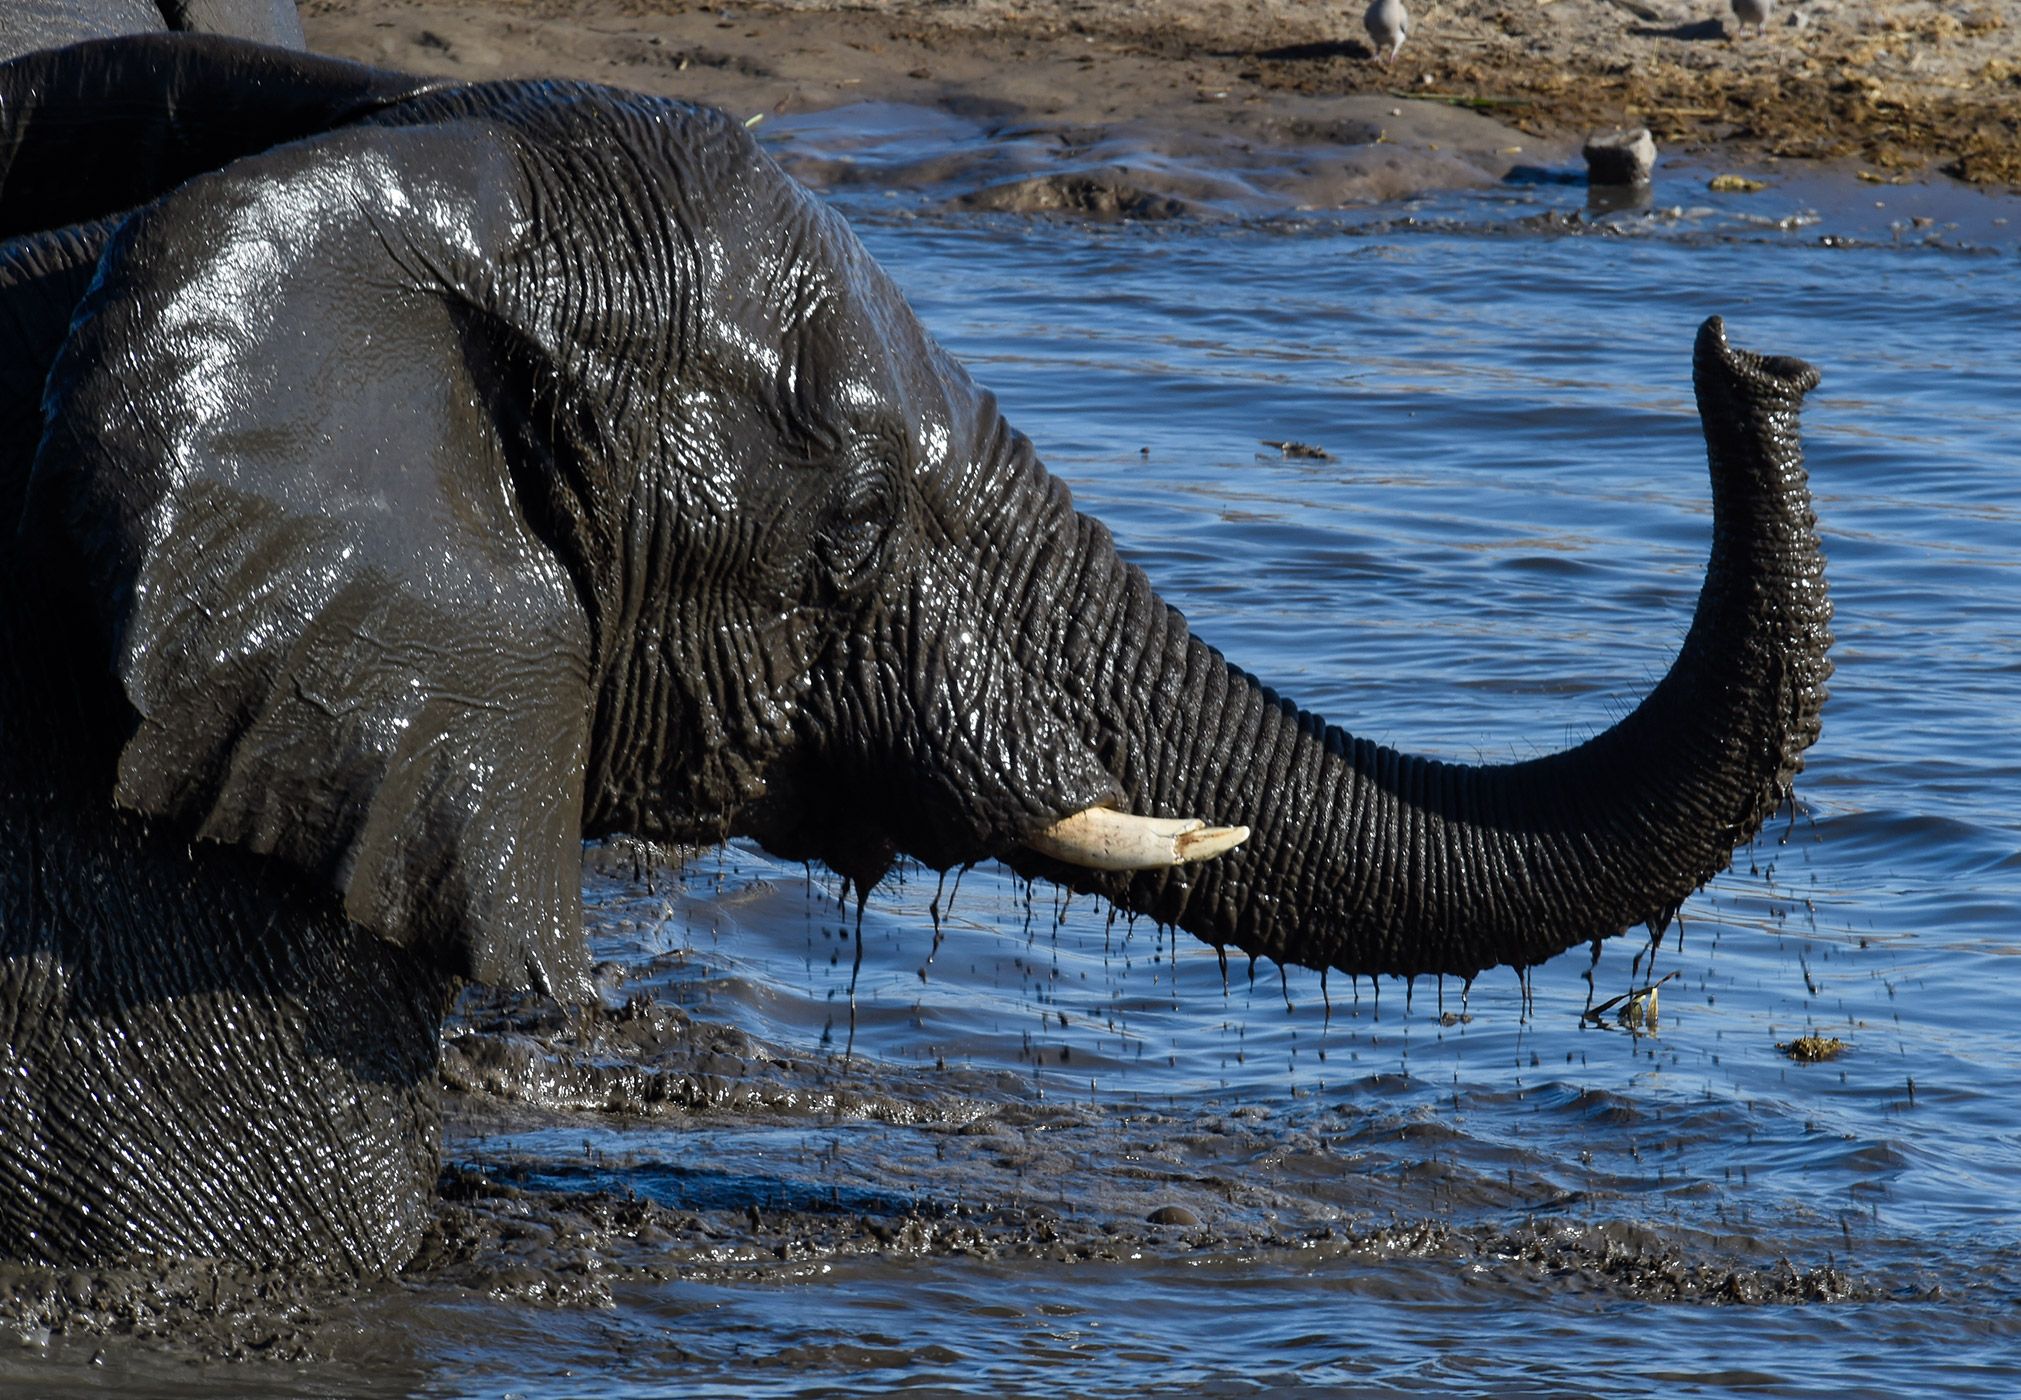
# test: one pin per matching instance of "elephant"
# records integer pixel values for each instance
(412, 480)
(30, 25)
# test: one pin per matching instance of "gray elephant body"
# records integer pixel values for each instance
(413, 479)
(32, 25)
(236, 1094)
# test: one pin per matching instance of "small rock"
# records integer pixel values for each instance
(1735, 184)
(1172, 1215)
(1620, 157)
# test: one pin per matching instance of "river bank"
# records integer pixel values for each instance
(1131, 100)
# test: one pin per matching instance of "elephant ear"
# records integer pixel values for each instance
(282, 458)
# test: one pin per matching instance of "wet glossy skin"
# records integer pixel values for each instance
(31, 25)
(521, 462)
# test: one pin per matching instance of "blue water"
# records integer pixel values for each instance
(1498, 557)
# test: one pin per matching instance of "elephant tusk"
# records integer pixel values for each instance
(1101, 838)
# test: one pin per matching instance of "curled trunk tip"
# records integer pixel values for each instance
(1783, 375)
(1369, 860)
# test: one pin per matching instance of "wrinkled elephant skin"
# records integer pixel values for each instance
(411, 480)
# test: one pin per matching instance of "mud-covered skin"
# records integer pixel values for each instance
(29, 25)
(514, 463)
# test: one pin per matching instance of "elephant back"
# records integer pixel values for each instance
(141, 115)
(29, 25)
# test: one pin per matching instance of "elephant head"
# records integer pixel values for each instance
(521, 462)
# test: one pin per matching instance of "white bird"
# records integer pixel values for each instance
(1754, 12)
(1386, 23)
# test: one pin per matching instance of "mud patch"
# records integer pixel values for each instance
(630, 1145)
(528, 1247)
(563, 1248)
(643, 1058)
(199, 1309)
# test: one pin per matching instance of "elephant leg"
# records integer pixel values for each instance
(211, 1097)
(197, 1058)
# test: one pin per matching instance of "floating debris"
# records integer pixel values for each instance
(1300, 449)
(1638, 1007)
(1640, 1012)
(1810, 1049)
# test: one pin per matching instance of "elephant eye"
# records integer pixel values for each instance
(859, 521)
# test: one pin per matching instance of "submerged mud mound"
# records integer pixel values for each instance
(571, 1248)
(600, 1153)
(198, 1310)
(1109, 195)
(640, 1057)
(1303, 154)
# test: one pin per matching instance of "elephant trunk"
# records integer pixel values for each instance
(1373, 861)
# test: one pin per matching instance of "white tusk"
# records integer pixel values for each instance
(1101, 838)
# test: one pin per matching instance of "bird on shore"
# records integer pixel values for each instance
(1754, 12)
(1386, 22)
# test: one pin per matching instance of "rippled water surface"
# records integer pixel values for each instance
(1432, 1189)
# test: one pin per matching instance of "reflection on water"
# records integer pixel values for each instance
(1067, 1155)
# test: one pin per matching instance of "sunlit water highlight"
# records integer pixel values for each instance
(1499, 556)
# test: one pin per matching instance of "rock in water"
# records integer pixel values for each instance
(1620, 157)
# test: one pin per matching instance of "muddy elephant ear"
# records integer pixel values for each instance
(280, 453)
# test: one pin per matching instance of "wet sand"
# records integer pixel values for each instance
(1155, 106)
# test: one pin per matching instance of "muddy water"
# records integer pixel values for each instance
(1064, 1155)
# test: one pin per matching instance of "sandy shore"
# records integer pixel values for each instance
(1145, 95)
